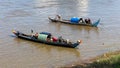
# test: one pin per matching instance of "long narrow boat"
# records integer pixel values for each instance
(59, 42)
(92, 24)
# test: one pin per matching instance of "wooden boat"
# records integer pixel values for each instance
(60, 42)
(94, 24)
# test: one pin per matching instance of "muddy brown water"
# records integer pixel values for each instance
(24, 15)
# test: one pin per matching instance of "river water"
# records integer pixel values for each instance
(24, 15)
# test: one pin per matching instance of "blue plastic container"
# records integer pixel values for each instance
(74, 20)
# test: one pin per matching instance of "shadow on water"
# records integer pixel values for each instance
(49, 48)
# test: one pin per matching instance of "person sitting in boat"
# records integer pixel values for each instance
(81, 20)
(68, 41)
(60, 39)
(58, 17)
(35, 35)
(88, 21)
(49, 38)
(54, 39)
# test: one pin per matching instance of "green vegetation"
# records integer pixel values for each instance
(112, 61)
(108, 60)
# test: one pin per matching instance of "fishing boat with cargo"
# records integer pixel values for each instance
(75, 21)
(47, 38)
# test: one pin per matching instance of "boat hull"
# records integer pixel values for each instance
(31, 38)
(68, 22)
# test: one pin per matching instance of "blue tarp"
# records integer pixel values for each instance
(46, 33)
(74, 20)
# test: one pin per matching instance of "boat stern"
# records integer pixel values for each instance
(96, 23)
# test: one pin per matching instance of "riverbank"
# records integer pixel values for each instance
(107, 60)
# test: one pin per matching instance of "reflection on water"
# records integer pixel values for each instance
(78, 7)
(59, 26)
(48, 48)
(24, 15)
(83, 7)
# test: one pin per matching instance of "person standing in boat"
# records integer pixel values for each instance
(58, 17)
